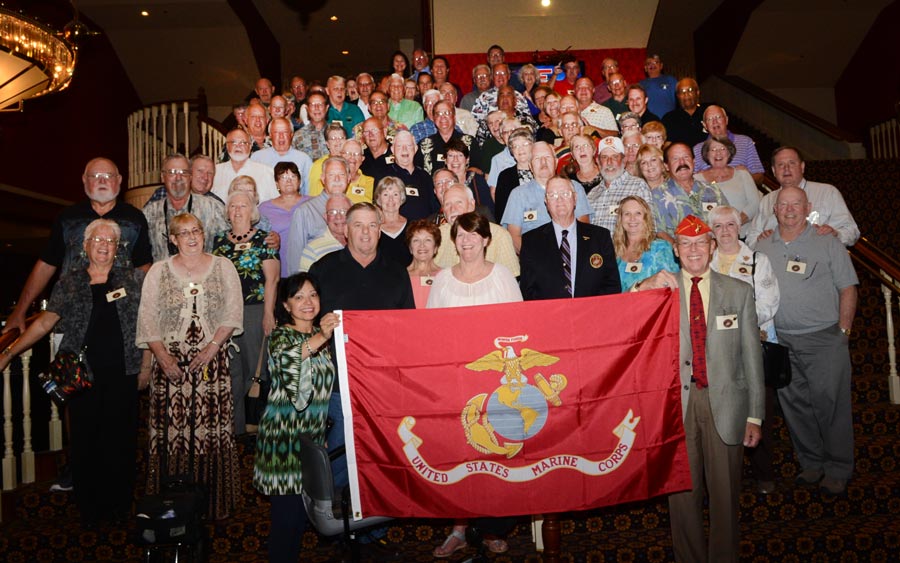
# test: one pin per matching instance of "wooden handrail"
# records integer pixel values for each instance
(7, 339)
(214, 124)
(796, 112)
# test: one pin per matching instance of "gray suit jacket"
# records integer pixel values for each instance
(733, 357)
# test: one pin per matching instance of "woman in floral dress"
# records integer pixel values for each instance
(302, 374)
(259, 269)
(190, 306)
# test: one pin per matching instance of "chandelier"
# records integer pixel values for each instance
(34, 59)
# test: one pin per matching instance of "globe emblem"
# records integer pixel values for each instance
(517, 414)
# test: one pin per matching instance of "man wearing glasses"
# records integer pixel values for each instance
(481, 78)
(176, 177)
(102, 183)
(617, 184)
(311, 137)
(684, 124)
(488, 102)
(237, 144)
(281, 132)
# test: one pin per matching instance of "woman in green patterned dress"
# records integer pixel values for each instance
(302, 373)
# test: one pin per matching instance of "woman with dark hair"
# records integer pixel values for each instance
(423, 237)
(400, 64)
(735, 182)
(639, 254)
(280, 210)
(302, 374)
(456, 155)
(96, 310)
(473, 281)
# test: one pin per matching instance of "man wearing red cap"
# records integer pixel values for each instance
(722, 395)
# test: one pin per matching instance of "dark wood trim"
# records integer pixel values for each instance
(796, 112)
(266, 48)
(875, 261)
(717, 38)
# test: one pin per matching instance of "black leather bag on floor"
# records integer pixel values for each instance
(776, 364)
(175, 514)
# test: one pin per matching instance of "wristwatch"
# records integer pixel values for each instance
(846, 331)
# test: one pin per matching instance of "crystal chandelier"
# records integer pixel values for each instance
(34, 59)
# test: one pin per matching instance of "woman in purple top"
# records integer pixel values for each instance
(280, 210)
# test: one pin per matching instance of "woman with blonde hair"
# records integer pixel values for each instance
(639, 254)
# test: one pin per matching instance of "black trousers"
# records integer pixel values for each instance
(288, 524)
(103, 444)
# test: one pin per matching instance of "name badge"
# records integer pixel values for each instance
(440, 158)
(530, 215)
(726, 322)
(338, 121)
(634, 267)
(358, 190)
(412, 192)
(744, 269)
(709, 206)
(426, 280)
(613, 209)
(115, 295)
(193, 289)
(796, 267)
(389, 159)
(242, 246)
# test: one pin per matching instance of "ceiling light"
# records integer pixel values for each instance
(333, 18)
(145, 13)
(345, 52)
(34, 59)
(545, 3)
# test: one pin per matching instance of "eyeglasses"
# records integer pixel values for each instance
(195, 232)
(352, 154)
(288, 176)
(714, 118)
(336, 212)
(718, 149)
(316, 105)
(237, 143)
(693, 243)
(177, 172)
(501, 73)
(558, 195)
(336, 139)
(570, 125)
(443, 114)
(98, 240)
(101, 176)
(687, 90)
(633, 146)
(482, 76)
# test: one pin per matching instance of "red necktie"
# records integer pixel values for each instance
(698, 335)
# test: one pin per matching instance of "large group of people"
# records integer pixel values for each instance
(363, 194)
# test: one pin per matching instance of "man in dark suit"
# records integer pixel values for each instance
(567, 258)
(722, 394)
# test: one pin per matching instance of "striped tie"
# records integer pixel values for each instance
(566, 260)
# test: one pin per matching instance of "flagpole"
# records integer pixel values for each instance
(339, 340)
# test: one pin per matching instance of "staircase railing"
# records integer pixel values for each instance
(163, 128)
(884, 139)
(886, 269)
(27, 456)
(782, 120)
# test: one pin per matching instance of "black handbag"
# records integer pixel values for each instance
(776, 357)
(258, 396)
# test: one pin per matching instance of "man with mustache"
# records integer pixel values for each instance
(616, 185)
(237, 143)
(681, 195)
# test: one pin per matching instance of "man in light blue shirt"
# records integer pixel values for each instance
(526, 210)
(281, 131)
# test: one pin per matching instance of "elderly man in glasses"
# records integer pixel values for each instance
(176, 176)
(684, 124)
(237, 144)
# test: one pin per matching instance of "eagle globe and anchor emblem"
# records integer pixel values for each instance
(516, 410)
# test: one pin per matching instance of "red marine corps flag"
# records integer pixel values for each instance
(521, 408)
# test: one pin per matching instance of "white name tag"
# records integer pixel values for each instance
(613, 209)
(358, 190)
(242, 246)
(440, 158)
(726, 322)
(115, 295)
(193, 290)
(709, 206)
(389, 159)
(745, 269)
(426, 280)
(530, 215)
(795, 267)
(411, 191)
(634, 267)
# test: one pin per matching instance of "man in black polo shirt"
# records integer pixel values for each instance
(684, 124)
(102, 182)
(358, 277)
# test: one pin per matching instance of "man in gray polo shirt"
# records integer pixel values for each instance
(818, 303)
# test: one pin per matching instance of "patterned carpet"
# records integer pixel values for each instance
(791, 525)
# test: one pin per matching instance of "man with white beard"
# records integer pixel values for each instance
(237, 143)
(616, 185)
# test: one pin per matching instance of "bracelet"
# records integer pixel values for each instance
(309, 349)
(216, 343)
(7, 351)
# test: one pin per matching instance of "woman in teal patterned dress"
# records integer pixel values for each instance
(639, 253)
(259, 269)
(302, 373)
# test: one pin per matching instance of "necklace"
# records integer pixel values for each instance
(239, 238)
